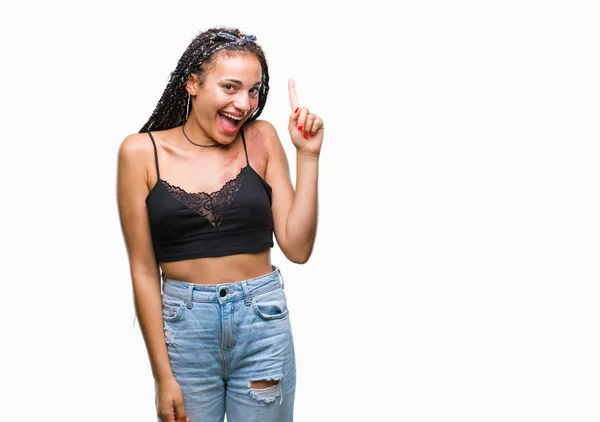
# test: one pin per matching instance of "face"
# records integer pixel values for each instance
(228, 96)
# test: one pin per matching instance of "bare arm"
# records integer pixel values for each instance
(294, 210)
(132, 189)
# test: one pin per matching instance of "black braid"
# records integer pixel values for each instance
(199, 58)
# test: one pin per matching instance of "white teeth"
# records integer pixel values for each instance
(231, 116)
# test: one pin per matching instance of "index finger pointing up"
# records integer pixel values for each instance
(292, 92)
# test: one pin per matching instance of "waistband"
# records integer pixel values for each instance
(241, 290)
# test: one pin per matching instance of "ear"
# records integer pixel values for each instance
(192, 85)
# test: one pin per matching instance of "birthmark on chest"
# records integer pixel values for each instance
(230, 175)
(231, 168)
(226, 177)
(232, 159)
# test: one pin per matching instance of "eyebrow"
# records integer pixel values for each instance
(240, 82)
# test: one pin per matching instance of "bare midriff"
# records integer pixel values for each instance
(219, 270)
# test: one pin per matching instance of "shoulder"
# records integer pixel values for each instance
(136, 147)
(136, 144)
(263, 132)
(135, 155)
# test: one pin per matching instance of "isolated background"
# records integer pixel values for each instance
(455, 274)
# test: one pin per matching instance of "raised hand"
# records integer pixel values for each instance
(306, 128)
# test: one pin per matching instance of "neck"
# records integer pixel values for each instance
(195, 136)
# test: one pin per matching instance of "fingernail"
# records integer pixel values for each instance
(299, 127)
(296, 111)
(305, 135)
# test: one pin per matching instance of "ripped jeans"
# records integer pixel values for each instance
(223, 337)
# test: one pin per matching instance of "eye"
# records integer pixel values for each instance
(229, 87)
(255, 91)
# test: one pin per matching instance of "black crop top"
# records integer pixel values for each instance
(235, 219)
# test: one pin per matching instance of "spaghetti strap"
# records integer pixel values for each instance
(155, 155)
(244, 141)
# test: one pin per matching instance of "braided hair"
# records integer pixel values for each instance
(199, 58)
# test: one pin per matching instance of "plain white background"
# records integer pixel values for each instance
(455, 274)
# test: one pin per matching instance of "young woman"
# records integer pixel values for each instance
(202, 190)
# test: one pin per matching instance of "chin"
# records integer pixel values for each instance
(225, 139)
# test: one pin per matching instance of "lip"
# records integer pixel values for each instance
(226, 129)
(234, 113)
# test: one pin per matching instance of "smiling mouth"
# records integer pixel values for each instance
(229, 122)
(231, 116)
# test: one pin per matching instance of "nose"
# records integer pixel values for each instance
(242, 103)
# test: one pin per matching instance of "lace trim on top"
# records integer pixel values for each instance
(212, 206)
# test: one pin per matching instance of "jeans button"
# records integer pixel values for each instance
(222, 293)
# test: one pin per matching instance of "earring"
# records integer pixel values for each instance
(187, 108)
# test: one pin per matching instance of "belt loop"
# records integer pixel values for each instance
(188, 299)
(281, 278)
(246, 293)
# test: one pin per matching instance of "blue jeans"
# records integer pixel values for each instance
(220, 338)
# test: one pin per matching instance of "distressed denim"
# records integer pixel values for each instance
(220, 338)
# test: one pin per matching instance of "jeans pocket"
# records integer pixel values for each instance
(270, 305)
(172, 308)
